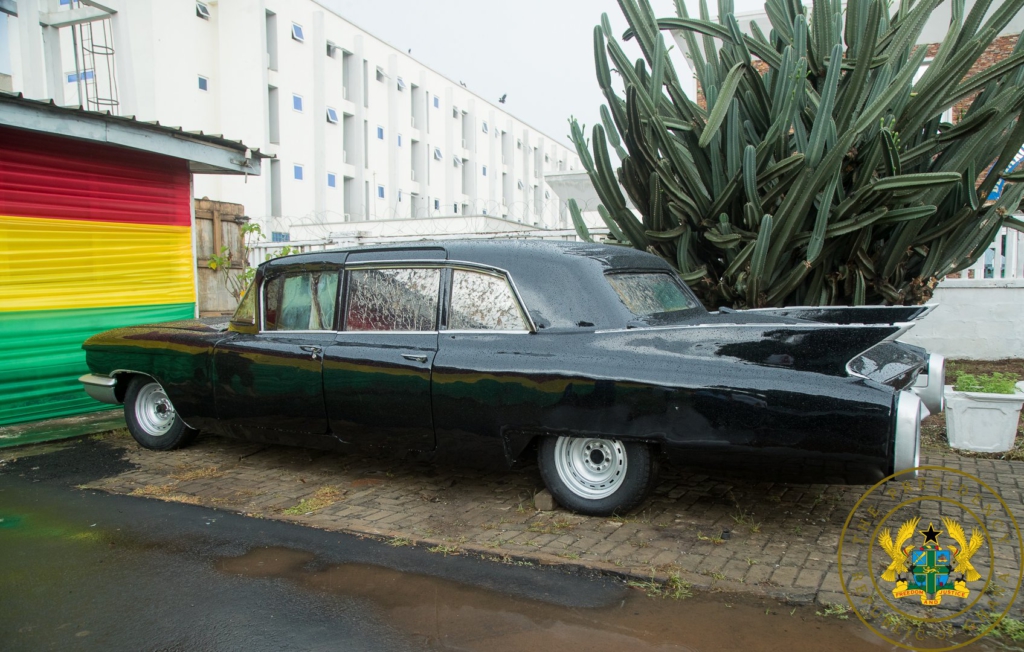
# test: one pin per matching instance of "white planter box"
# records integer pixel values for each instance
(984, 423)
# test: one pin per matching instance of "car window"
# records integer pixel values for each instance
(393, 299)
(301, 301)
(246, 311)
(650, 293)
(483, 301)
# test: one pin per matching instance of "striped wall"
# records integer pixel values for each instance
(91, 238)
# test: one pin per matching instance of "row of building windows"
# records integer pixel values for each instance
(298, 172)
(332, 178)
(203, 11)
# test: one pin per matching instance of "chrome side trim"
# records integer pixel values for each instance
(100, 388)
(904, 326)
(929, 307)
(907, 442)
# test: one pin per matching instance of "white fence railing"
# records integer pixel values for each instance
(1003, 260)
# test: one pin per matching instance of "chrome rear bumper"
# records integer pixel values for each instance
(100, 388)
(930, 384)
(907, 445)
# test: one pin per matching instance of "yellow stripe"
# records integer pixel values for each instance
(49, 264)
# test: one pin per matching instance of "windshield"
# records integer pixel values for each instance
(651, 293)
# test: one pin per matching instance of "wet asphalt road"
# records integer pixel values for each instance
(86, 570)
(82, 570)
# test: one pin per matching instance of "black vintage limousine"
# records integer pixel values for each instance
(594, 358)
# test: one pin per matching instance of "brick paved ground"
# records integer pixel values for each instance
(782, 541)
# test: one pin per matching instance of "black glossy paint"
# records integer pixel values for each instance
(761, 383)
(377, 389)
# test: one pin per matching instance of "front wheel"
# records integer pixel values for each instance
(597, 477)
(152, 419)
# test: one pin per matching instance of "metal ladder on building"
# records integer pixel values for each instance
(93, 53)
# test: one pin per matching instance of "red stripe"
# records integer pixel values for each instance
(48, 176)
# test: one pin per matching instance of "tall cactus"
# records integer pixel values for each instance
(829, 178)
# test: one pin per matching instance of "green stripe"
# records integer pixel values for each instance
(41, 356)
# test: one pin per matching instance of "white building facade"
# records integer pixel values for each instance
(366, 138)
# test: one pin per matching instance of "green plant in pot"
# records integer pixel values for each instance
(982, 411)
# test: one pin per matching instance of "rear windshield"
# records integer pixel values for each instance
(651, 293)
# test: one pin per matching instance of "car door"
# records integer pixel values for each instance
(377, 372)
(269, 383)
(488, 375)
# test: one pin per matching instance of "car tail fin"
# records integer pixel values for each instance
(815, 348)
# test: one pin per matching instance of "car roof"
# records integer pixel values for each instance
(562, 283)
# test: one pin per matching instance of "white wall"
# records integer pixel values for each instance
(5, 48)
(975, 319)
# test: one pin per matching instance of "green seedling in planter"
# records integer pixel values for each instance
(995, 383)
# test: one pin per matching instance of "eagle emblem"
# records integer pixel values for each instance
(930, 570)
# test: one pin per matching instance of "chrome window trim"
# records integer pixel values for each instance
(486, 331)
(306, 332)
(390, 264)
(671, 273)
(262, 308)
(389, 332)
(499, 273)
(448, 264)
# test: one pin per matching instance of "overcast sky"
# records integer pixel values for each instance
(539, 52)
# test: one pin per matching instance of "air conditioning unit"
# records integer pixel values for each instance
(412, 120)
(463, 143)
(344, 92)
(455, 112)
(412, 173)
(348, 217)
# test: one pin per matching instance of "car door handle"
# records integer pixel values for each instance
(415, 357)
(314, 351)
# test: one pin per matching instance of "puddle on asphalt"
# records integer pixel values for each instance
(450, 615)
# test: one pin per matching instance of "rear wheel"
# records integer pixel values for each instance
(151, 417)
(598, 477)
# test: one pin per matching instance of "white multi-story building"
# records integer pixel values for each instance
(362, 132)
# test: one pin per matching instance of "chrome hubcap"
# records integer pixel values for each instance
(590, 468)
(153, 410)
